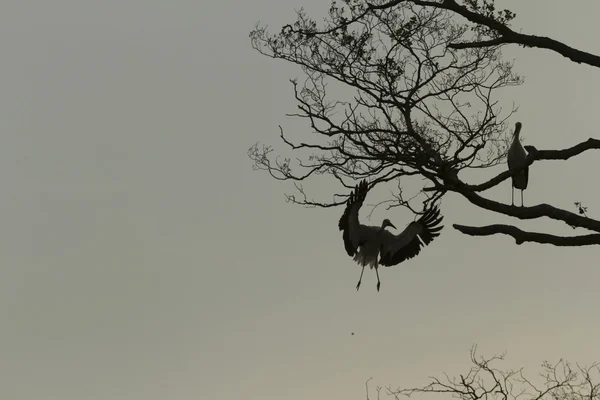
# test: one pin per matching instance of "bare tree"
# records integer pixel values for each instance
(485, 381)
(400, 90)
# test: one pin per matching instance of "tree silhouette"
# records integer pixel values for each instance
(400, 91)
(485, 381)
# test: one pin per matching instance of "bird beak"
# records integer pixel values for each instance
(392, 225)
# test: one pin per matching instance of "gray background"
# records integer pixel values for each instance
(142, 258)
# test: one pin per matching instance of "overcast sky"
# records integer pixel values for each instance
(141, 257)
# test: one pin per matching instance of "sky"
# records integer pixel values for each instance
(141, 257)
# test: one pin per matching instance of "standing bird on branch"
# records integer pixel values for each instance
(517, 156)
(379, 246)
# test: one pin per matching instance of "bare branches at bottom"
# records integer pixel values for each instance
(560, 381)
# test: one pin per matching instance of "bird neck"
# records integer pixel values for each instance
(516, 136)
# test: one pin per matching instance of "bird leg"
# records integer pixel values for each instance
(378, 282)
(521, 197)
(360, 279)
(513, 196)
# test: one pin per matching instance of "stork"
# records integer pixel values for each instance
(374, 245)
(516, 156)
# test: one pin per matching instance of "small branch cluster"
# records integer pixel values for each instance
(485, 381)
(416, 108)
(495, 24)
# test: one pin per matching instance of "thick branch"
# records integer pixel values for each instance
(565, 154)
(531, 157)
(523, 236)
(541, 210)
(483, 43)
(534, 155)
(507, 34)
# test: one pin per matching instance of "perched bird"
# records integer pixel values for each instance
(516, 156)
(373, 245)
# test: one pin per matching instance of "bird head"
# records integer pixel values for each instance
(518, 127)
(386, 222)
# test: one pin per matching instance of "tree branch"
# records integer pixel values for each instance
(541, 210)
(418, 108)
(535, 155)
(475, 45)
(565, 154)
(507, 34)
(523, 236)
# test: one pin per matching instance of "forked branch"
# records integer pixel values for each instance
(536, 155)
(505, 34)
(538, 211)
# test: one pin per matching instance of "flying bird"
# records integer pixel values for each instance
(515, 157)
(374, 245)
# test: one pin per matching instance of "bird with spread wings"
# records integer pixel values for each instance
(374, 245)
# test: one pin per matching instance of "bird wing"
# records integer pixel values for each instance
(398, 248)
(349, 223)
(516, 154)
(515, 157)
(526, 169)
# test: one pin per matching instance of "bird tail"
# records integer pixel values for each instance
(363, 259)
(430, 222)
